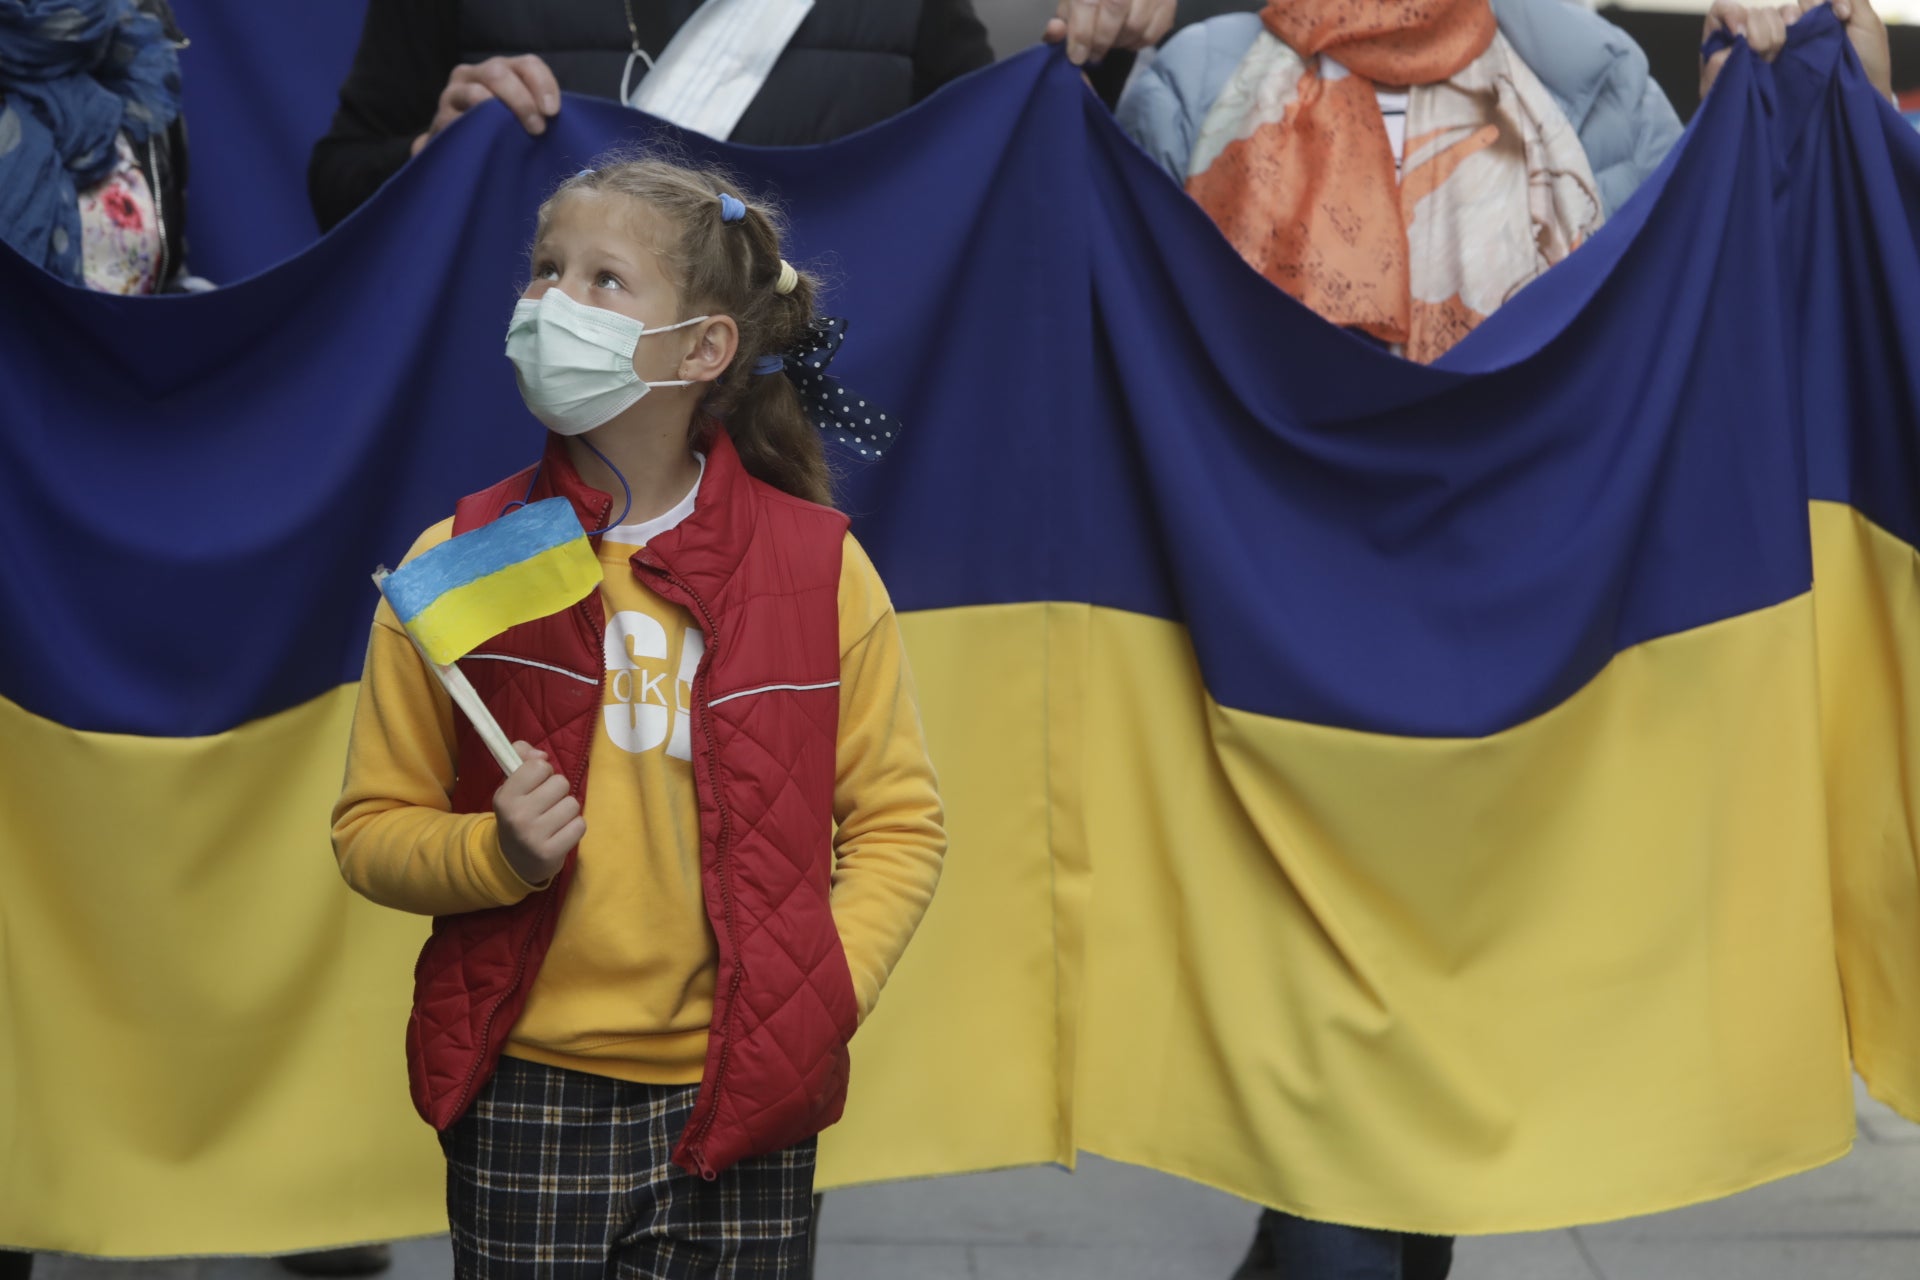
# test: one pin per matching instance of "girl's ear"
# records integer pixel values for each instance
(715, 342)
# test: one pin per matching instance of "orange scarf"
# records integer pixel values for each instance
(1313, 201)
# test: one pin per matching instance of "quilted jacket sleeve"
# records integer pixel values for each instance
(890, 835)
(1600, 79)
(395, 835)
(1167, 100)
(1654, 130)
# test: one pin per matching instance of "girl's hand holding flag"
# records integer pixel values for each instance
(539, 817)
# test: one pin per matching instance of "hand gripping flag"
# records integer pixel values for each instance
(529, 563)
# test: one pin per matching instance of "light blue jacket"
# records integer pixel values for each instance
(1594, 71)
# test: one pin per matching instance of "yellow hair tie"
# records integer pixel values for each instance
(788, 278)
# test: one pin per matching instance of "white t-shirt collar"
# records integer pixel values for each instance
(640, 533)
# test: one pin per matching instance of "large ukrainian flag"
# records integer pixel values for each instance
(1433, 798)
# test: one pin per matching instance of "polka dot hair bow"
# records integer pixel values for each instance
(841, 415)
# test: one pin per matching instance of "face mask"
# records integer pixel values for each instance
(575, 363)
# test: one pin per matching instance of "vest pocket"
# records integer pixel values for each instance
(842, 1002)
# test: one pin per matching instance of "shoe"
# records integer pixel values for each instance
(354, 1260)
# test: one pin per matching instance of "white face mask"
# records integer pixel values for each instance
(575, 363)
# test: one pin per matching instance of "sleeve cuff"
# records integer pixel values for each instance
(497, 876)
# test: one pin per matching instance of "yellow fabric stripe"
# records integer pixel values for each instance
(1575, 971)
(966, 1063)
(1590, 973)
(200, 1026)
(462, 619)
(1867, 599)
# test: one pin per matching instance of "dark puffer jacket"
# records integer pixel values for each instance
(852, 63)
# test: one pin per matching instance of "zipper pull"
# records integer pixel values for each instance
(701, 1167)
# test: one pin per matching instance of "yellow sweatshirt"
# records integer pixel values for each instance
(627, 988)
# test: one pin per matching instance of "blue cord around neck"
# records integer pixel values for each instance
(625, 489)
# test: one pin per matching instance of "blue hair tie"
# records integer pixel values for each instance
(731, 210)
(770, 364)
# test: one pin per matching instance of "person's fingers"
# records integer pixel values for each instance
(534, 770)
(463, 97)
(1092, 26)
(550, 792)
(1110, 18)
(1711, 71)
(1157, 20)
(1133, 25)
(570, 836)
(1059, 23)
(543, 828)
(460, 96)
(1763, 27)
(1079, 15)
(1783, 17)
(1727, 16)
(501, 76)
(540, 81)
(1868, 33)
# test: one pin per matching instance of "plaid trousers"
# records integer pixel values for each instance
(559, 1175)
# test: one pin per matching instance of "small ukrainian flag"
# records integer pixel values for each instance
(525, 565)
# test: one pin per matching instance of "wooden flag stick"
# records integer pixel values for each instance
(462, 692)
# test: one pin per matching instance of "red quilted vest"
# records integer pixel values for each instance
(759, 570)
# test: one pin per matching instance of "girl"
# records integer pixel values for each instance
(653, 941)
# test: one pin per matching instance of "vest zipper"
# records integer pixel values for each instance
(723, 845)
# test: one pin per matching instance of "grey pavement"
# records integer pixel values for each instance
(1858, 1219)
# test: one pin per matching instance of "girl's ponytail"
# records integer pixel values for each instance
(770, 428)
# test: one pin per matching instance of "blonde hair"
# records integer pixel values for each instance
(730, 268)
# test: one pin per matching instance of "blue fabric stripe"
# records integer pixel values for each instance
(519, 535)
(1104, 405)
(1856, 195)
